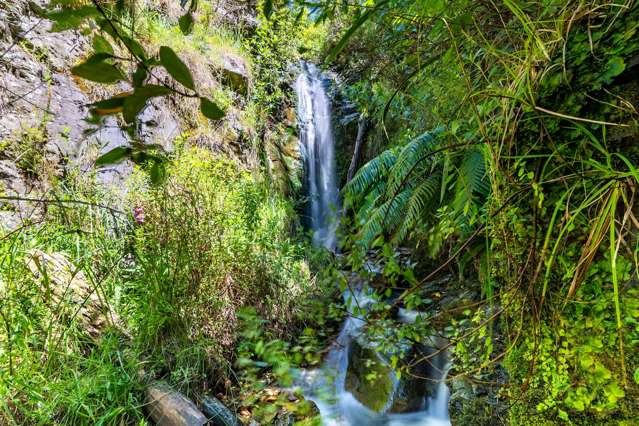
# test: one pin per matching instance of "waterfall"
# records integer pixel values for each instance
(318, 152)
(326, 386)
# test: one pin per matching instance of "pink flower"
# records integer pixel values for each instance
(138, 215)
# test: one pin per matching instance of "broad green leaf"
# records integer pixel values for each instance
(132, 107)
(152, 90)
(101, 45)
(109, 106)
(114, 156)
(636, 376)
(67, 19)
(210, 109)
(175, 67)
(139, 76)
(186, 23)
(95, 69)
(135, 103)
(157, 172)
(134, 47)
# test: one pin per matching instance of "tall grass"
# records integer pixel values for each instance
(52, 370)
(214, 239)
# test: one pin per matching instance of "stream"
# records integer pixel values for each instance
(326, 386)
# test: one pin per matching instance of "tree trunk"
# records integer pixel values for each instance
(362, 127)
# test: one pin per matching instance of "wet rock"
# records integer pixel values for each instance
(235, 73)
(217, 413)
(369, 378)
(167, 407)
(479, 401)
(305, 413)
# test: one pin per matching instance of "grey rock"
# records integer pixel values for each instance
(217, 413)
(167, 407)
(235, 73)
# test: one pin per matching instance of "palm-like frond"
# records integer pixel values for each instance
(389, 212)
(403, 187)
(372, 172)
(415, 154)
(471, 181)
(422, 201)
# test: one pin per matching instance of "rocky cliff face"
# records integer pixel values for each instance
(43, 109)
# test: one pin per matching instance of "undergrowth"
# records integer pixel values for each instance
(170, 280)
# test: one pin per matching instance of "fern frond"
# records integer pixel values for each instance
(385, 216)
(373, 171)
(422, 202)
(472, 180)
(413, 155)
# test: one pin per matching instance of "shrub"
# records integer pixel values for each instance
(214, 239)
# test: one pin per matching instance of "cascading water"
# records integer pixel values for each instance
(318, 152)
(327, 385)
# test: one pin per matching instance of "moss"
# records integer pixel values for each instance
(368, 378)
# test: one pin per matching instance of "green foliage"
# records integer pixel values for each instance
(534, 197)
(175, 67)
(27, 150)
(213, 241)
(400, 191)
(128, 61)
(52, 371)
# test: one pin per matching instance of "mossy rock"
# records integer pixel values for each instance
(368, 378)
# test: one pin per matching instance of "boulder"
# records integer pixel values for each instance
(235, 73)
(167, 407)
(66, 285)
(415, 388)
(217, 413)
(369, 378)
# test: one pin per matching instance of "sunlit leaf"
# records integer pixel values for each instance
(67, 19)
(210, 109)
(175, 67)
(110, 106)
(100, 44)
(115, 155)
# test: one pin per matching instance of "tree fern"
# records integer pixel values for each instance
(371, 172)
(403, 187)
(471, 180)
(413, 155)
(423, 201)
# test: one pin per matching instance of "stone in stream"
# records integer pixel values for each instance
(217, 413)
(368, 378)
(167, 407)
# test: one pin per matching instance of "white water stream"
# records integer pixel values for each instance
(326, 386)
